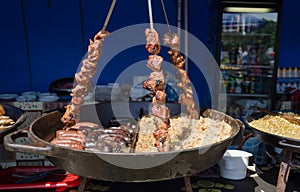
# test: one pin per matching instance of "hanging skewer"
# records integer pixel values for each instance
(84, 76)
(177, 59)
(155, 84)
(175, 46)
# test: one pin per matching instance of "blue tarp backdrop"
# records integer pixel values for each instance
(44, 40)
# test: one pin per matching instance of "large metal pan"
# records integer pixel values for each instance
(17, 114)
(270, 138)
(120, 167)
(289, 145)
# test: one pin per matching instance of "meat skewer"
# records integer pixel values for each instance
(82, 80)
(155, 84)
(186, 97)
(172, 40)
(70, 136)
(86, 73)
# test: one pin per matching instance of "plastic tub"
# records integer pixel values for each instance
(233, 164)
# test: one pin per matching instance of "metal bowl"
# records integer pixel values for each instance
(17, 114)
(121, 167)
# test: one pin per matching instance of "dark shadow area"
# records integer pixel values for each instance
(271, 175)
(263, 182)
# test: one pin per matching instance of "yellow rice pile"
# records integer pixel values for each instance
(278, 126)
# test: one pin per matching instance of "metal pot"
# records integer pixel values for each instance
(17, 114)
(270, 138)
(288, 145)
(120, 167)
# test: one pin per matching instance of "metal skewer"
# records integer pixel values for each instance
(186, 40)
(179, 19)
(108, 16)
(150, 14)
(166, 16)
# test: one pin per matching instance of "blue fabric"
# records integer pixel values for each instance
(15, 75)
(59, 30)
(289, 35)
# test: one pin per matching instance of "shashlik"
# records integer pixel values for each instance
(186, 97)
(82, 80)
(155, 84)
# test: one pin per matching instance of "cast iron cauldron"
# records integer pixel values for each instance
(120, 167)
(289, 146)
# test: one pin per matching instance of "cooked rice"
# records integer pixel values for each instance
(185, 133)
(278, 126)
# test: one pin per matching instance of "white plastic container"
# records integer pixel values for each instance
(233, 164)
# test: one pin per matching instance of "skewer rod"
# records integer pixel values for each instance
(150, 14)
(186, 40)
(165, 14)
(108, 16)
(179, 20)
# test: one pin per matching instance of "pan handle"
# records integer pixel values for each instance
(11, 145)
(283, 143)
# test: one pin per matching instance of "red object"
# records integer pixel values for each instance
(295, 98)
(55, 180)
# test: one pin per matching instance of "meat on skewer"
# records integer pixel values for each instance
(155, 84)
(161, 111)
(152, 41)
(154, 62)
(70, 137)
(186, 97)
(82, 80)
(171, 40)
(160, 97)
(73, 133)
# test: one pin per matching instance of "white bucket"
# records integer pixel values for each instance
(233, 164)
